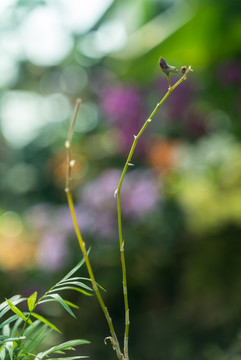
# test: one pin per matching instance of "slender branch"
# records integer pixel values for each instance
(70, 163)
(113, 338)
(118, 195)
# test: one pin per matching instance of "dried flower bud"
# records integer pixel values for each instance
(183, 69)
(166, 68)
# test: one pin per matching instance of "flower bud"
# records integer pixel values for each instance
(166, 68)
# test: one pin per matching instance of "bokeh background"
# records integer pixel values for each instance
(181, 200)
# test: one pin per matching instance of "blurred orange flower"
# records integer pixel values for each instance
(163, 154)
(16, 253)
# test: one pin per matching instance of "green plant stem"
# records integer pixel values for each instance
(70, 163)
(118, 195)
(169, 81)
(113, 337)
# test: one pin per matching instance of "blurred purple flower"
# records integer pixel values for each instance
(99, 193)
(140, 193)
(105, 225)
(97, 214)
(52, 252)
(63, 220)
(122, 107)
(180, 101)
(38, 216)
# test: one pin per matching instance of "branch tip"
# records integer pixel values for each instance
(78, 101)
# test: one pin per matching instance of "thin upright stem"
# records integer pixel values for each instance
(113, 337)
(118, 195)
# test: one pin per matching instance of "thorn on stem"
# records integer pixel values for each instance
(130, 164)
(122, 246)
(115, 193)
(128, 317)
(71, 163)
(67, 144)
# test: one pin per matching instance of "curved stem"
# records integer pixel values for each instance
(70, 163)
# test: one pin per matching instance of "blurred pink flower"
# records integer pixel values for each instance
(122, 107)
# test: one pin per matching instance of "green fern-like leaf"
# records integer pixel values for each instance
(69, 345)
(45, 321)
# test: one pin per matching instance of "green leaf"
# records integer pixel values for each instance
(22, 352)
(72, 279)
(6, 330)
(14, 338)
(30, 330)
(60, 300)
(9, 348)
(38, 337)
(18, 312)
(14, 300)
(76, 283)
(32, 300)
(71, 304)
(88, 279)
(75, 268)
(71, 288)
(2, 353)
(69, 358)
(41, 318)
(66, 301)
(3, 337)
(45, 301)
(68, 345)
(16, 325)
(34, 336)
(9, 320)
